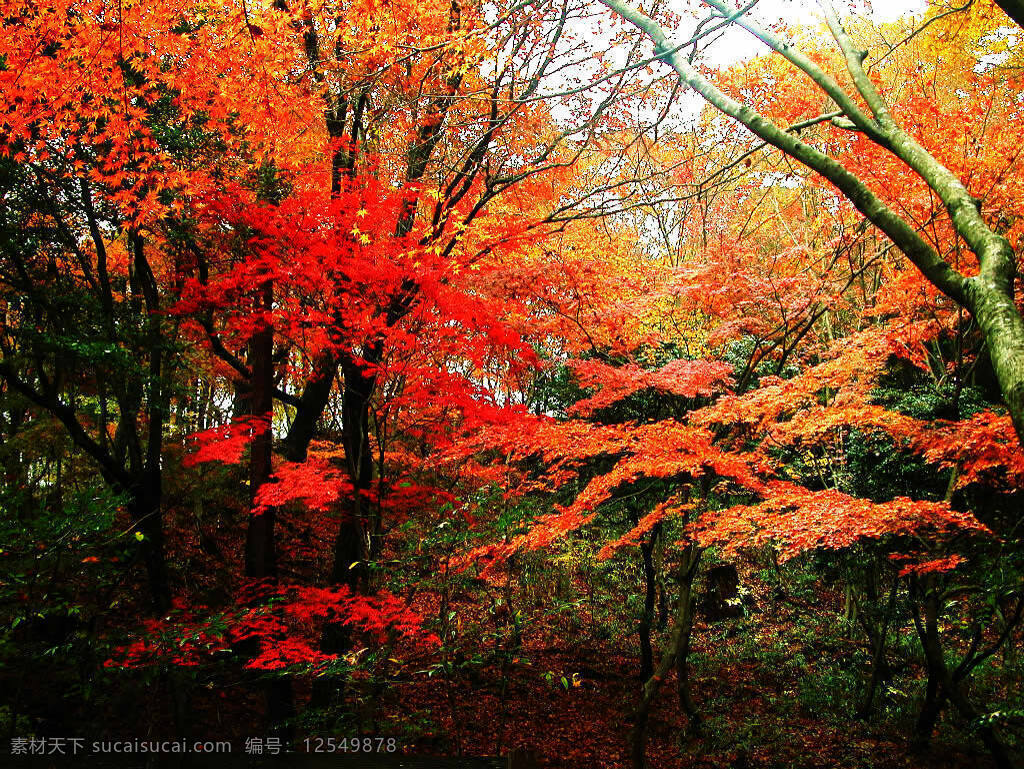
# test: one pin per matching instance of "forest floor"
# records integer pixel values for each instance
(586, 726)
(752, 680)
(776, 687)
(756, 716)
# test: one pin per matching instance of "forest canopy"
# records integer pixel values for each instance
(561, 383)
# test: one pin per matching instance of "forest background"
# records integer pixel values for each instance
(461, 374)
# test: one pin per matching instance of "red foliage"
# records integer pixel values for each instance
(316, 483)
(684, 378)
(795, 520)
(226, 443)
(983, 449)
(930, 566)
(285, 621)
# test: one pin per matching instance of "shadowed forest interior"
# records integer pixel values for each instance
(511, 383)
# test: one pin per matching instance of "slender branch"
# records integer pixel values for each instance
(821, 78)
(934, 267)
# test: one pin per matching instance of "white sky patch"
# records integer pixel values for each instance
(734, 44)
(737, 44)
(725, 47)
(1012, 37)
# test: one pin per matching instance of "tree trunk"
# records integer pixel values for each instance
(353, 545)
(943, 686)
(687, 601)
(684, 618)
(352, 550)
(312, 403)
(647, 615)
(879, 667)
(260, 554)
(260, 545)
(935, 663)
(1014, 9)
(992, 305)
(924, 727)
(144, 508)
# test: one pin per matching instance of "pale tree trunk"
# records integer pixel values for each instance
(994, 308)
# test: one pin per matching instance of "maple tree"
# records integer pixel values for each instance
(378, 331)
(796, 519)
(989, 294)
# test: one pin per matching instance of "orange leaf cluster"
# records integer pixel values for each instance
(794, 520)
(684, 378)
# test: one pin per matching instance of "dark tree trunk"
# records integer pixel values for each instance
(312, 403)
(686, 617)
(935, 663)
(924, 727)
(260, 554)
(879, 667)
(1014, 9)
(260, 545)
(945, 686)
(647, 615)
(353, 547)
(352, 550)
(144, 508)
(670, 657)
